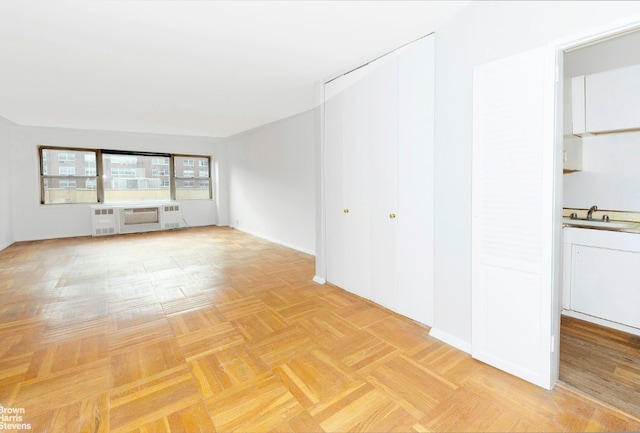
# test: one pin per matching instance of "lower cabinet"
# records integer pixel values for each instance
(601, 273)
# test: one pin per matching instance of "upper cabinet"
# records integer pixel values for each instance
(607, 101)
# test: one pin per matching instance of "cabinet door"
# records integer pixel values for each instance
(605, 284)
(612, 100)
(383, 147)
(415, 180)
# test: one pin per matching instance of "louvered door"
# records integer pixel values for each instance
(512, 215)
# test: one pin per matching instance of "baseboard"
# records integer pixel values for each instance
(319, 280)
(276, 241)
(602, 322)
(450, 340)
(5, 245)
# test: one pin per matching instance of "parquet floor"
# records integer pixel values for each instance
(601, 362)
(212, 330)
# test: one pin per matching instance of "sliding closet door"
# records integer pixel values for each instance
(512, 260)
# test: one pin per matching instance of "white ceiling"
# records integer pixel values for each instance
(211, 68)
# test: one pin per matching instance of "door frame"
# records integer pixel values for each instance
(559, 47)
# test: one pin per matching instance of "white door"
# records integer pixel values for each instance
(356, 188)
(383, 146)
(346, 174)
(415, 180)
(334, 167)
(512, 257)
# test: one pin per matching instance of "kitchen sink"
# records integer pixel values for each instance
(609, 225)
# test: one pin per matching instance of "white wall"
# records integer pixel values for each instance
(31, 220)
(482, 32)
(272, 190)
(609, 176)
(6, 220)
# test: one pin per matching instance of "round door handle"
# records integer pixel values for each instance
(346, 211)
(392, 215)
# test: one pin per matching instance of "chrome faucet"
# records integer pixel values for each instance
(590, 212)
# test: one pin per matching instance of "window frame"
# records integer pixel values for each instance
(99, 175)
(174, 177)
(44, 173)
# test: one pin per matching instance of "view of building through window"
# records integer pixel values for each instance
(68, 176)
(129, 178)
(191, 183)
(72, 176)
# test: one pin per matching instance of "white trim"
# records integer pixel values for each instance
(321, 218)
(598, 34)
(276, 241)
(6, 245)
(451, 340)
(602, 322)
(320, 280)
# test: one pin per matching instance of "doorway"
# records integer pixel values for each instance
(599, 356)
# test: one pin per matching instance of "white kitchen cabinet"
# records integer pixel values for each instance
(578, 116)
(601, 273)
(607, 101)
(378, 178)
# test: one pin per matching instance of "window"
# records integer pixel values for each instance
(160, 172)
(123, 172)
(66, 157)
(66, 170)
(67, 175)
(101, 176)
(67, 183)
(185, 187)
(124, 183)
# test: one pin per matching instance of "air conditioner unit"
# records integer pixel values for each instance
(136, 218)
(139, 219)
(103, 221)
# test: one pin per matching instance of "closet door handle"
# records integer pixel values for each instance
(392, 215)
(346, 211)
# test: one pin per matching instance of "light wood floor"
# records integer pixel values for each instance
(602, 362)
(210, 329)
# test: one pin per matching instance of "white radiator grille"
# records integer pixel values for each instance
(111, 220)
